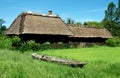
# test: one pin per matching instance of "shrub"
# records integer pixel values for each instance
(113, 42)
(29, 46)
(33, 45)
(5, 42)
(16, 42)
(61, 43)
(45, 46)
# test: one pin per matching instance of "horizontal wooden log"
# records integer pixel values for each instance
(58, 60)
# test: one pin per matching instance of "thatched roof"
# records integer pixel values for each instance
(34, 23)
(89, 32)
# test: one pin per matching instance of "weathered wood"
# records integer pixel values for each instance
(58, 60)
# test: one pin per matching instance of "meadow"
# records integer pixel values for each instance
(103, 62)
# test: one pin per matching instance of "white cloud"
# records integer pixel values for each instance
(92, 11)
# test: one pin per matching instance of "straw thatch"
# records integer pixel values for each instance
(89, 32)
(34, 23)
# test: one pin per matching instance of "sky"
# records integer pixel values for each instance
(78, 10)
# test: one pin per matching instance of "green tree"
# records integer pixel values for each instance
(93, 24)
(117, 14)
(110, 12)
(70, 21)
(111, 19)
(1, 22)
(2, 27)
(78, 23)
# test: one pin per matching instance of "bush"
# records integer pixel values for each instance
(29, 46)
(59, 45)
(33, 45)
(113, 42)
(45, 46)
(5, 42)
(16, 42)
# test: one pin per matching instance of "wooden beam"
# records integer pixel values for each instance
(58, 60)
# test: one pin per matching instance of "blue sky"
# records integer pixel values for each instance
(79, 10)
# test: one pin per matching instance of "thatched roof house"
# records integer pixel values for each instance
(29, 23)
(48, 27)
(92, 34)
(33, 23)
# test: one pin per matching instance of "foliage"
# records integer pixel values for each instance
(15, 43)
(2, 27)
(5, 42)
(110, 12)
(70, 21)
(14, 64)
(111, 20)
(113, 27)
(18, 44)
(33, 45)
(59, 45)
(1, 22)
(117, 13)
(29, 46)
(46, 45)
(93, 24)
(113, 42)
(78, 23)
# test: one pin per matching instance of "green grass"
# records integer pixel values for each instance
(105, 54)
(103, 62)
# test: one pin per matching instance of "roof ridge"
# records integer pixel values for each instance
(38, 14)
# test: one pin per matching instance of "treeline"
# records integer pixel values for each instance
(111, 19)
(88, 23)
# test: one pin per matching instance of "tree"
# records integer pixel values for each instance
(117, 14)
(93, 24)
(78, 23)
(111, 20)
(1, 22)
(110, 12)
(2, 27)
(70, 21)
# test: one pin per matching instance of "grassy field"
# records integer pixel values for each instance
(103, 62)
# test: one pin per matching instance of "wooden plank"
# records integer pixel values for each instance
(58, 60)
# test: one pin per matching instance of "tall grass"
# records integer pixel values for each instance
(102, 63)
